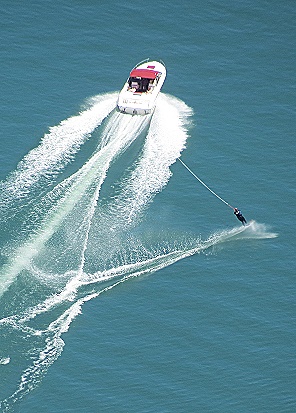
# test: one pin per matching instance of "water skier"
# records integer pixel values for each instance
(239, 216)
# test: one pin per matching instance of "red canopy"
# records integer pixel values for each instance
(144, 73)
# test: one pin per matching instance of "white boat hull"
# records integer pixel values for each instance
(139, 93)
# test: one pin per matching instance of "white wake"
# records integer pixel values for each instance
(83, 245)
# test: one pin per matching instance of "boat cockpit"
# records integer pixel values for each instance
(141, 85)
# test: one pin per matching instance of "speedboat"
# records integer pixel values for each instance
(139, 93)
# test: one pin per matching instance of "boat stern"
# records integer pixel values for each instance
(134, 105)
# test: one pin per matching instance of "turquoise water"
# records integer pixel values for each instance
(125, 285)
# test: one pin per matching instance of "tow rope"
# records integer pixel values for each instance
(209, 189)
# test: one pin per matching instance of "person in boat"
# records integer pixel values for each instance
(239, 216)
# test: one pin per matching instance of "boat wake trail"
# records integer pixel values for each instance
(79, 237)
(56, 149)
